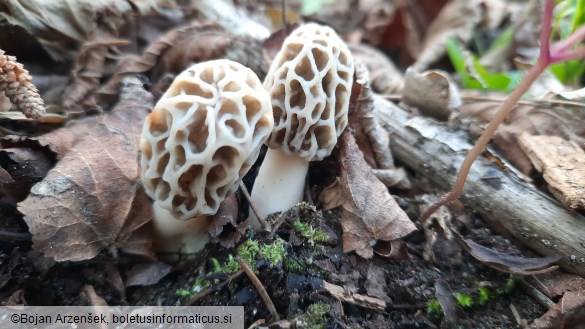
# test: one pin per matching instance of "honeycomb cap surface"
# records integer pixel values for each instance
(202, 136)
(310, 83)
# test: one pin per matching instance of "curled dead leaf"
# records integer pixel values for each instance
(369, 213)
(451, 309)
(567, 313)
(92, 199)
(59, 25)
(384, 75)
(432, 92)
(224, 226)
(508, 263)
(457, 20)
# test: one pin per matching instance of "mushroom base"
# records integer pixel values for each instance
(179, 237)
(280, 183)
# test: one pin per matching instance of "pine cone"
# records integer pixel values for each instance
(18, 87)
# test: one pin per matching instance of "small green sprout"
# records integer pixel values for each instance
(199, 285)
(508, 287)
(231, 266)
(215, 265)
(293, 265)
(434, 308)
(308, 232)
(464, 300)
(274, 253)
(249, 250)
(317, 316)
(484, 295)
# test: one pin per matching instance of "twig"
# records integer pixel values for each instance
(261, 219)
(536, 102)
(283, 12)
(519, 320)
(559, 52)
(256, 282)
(209, 290)
(5, 236)
(541, 298)
(279, 221)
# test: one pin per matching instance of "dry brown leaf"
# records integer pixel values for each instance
(556, 283)
(566, 314)
(376, 283)
(88, 71)
(395, 250)
(93, 198)
(147, 274)
(451, 309)
(369, 213)
(330, 197)
(59, 25)
(176, 50)
(441, 246)
(457, 20)
(562, 164)
(385, 77)
(340, 293)
(432, 92)
(508, 263)
(272, 45)
(224, 226)
(534, 120)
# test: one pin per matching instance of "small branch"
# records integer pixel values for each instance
(209, 290)
(512, 205)
(6, 236)
(261, 219)
(547, 56)
(485, 137)
(536, 102)
(256, 282)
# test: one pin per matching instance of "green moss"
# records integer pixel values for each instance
(274, 252)
(316, 316)
(483, 295)
(310, 233)
(248, 250)
(199, 285)
(434, 308)
(464, 300)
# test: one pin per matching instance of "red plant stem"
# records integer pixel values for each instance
(487, 134)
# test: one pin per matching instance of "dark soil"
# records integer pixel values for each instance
(406, 286)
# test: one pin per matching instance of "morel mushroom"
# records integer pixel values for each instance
(310, 84)
(199, 141)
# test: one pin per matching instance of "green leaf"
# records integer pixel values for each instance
(483, 79)
(503, 40)
(484, 295)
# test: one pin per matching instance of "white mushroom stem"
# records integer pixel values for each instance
(178, 236)
(280, 183)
